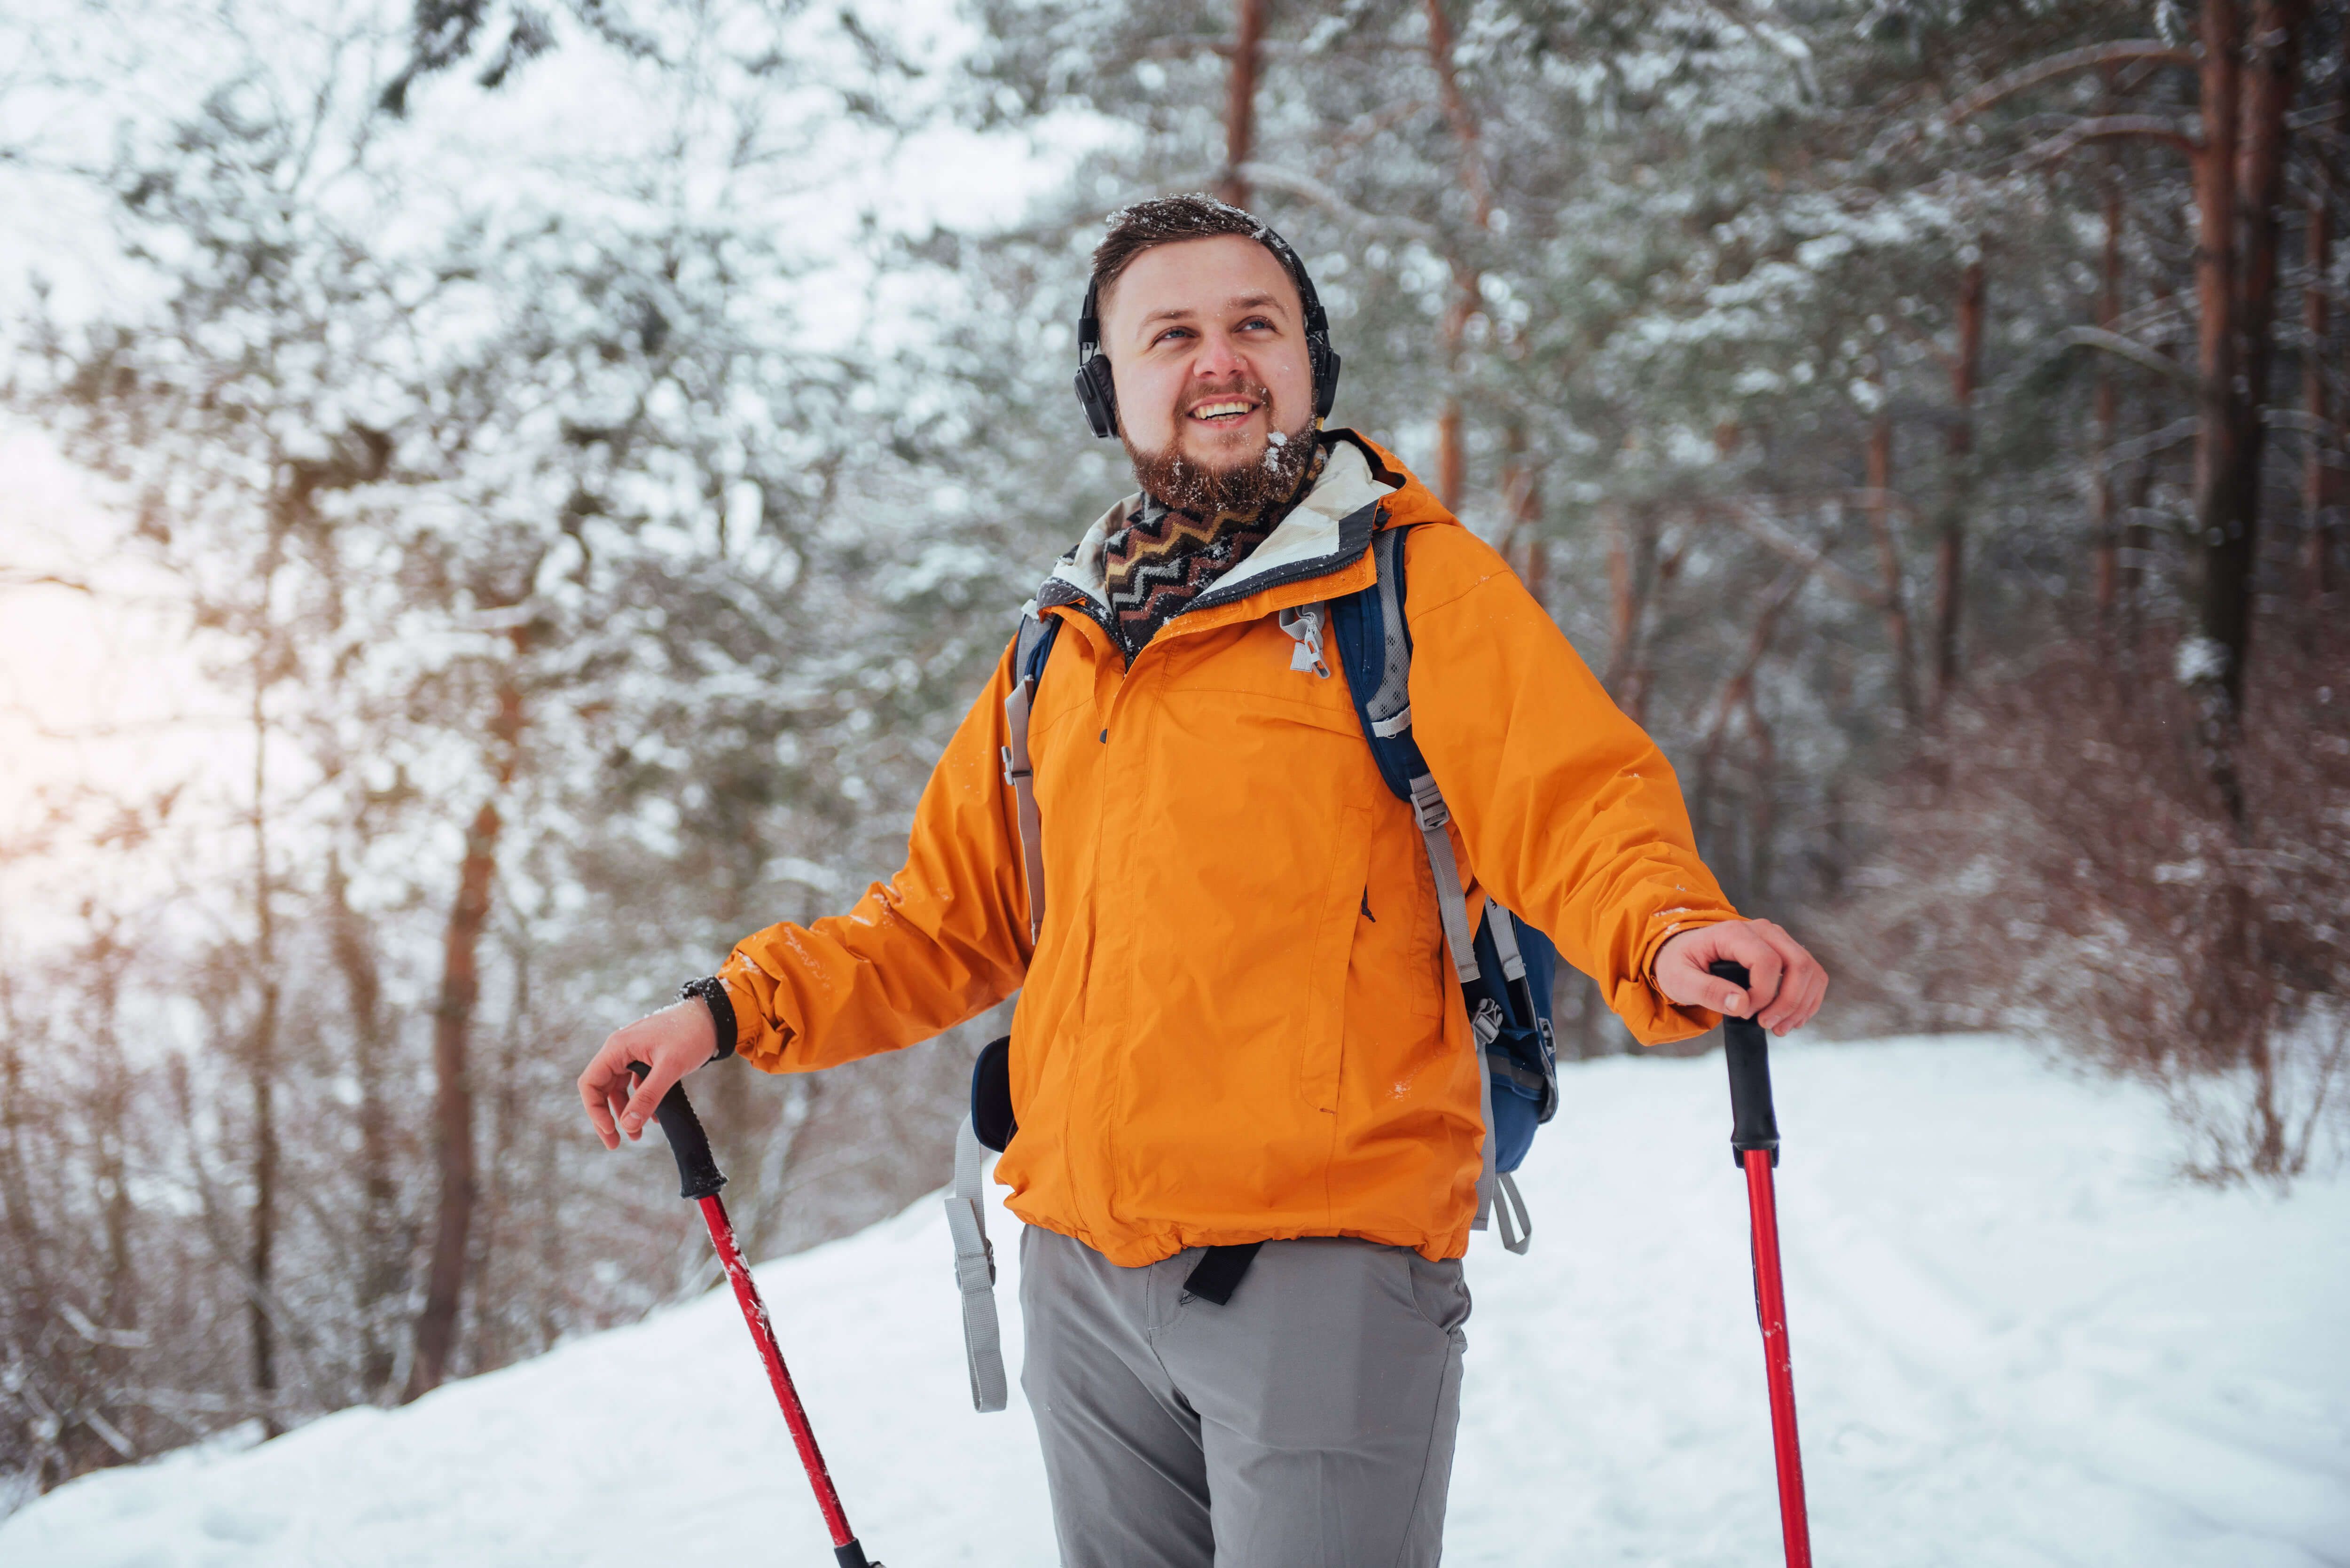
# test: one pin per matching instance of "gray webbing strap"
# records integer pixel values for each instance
(982, 1340)
(1452, 902)
(1020, 775)
(1505, 941)
(1452, 909)
(1487, 1027)
(1518, 1230)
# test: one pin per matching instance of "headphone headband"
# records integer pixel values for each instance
(1098, 394)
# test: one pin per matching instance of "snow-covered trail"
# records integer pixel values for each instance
(2016, 1342)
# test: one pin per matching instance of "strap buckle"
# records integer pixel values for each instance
(1428, 802)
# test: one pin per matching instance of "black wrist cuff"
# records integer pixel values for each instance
(712, 991)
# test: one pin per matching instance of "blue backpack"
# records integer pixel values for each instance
(1504, 969)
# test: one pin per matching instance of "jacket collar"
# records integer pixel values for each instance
(1327, 530)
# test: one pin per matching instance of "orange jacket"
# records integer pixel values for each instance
(1239, 1022)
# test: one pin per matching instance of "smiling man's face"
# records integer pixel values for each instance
(1206, 341)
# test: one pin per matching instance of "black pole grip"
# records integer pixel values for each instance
(1752, 1123)
(697, 1169)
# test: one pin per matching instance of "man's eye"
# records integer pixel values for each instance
(1256, 321)
(1172, 332)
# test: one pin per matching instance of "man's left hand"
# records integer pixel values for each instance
(1785, 982)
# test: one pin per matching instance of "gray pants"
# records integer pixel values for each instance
(1309, 1424)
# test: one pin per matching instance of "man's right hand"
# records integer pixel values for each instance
(671, 1044)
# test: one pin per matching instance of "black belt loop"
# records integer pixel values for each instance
(1217, 1273)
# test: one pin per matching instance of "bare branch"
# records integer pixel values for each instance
(2138, 447)
(43, 579)
(1734, 690)
(1272, 48)
(2131, 349)
(2071, 60)
(1273, 177)
(1744, 515)
(2109, 128)
(1457, 114)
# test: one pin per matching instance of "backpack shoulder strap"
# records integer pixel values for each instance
(1030, 649)
(1375, 646)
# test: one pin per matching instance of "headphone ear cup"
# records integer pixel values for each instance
(1097, 395)
(1325, 360)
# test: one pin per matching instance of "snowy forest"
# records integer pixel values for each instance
(543, 480)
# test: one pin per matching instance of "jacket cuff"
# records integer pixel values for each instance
(1672, 1020)
(712, 991)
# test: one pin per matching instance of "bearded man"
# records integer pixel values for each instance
(1250, 1127)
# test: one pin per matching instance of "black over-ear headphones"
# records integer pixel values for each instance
(1098, 394)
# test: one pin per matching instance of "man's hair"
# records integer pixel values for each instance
(1164, 220)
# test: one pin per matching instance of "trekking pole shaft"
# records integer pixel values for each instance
(1778, 1359)
(762, 1330)
(699, 1178)
(1755, 1144)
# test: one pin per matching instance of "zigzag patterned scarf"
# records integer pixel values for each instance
(1164, 558)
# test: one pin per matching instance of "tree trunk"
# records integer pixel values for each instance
(1631, 570)
(1951, 548)
(452, 1100)
(2105, 530)
(1888, 561)
(1451, 461)
(1764, 808)
(452, 1105)
(2320, 480)
(2233, 553)
(1240, 100)
(2217, 455)
(1522, 544)
(261, 1261)
(2322, 483)
(25, 1251)
(382, 1263)
(495, 1237)
(1468, 281)
(2138, 533)
(118, 1308)
(1736, 698)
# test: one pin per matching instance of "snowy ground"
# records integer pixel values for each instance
(2016, 1342)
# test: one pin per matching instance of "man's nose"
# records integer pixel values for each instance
(1217, 358)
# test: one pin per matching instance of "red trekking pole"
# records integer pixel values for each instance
(697, 1179)
(1755, 1145)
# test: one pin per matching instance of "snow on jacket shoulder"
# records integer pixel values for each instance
(1239, 1022)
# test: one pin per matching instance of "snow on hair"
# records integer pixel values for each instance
(1164, 220)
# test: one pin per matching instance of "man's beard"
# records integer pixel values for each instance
(1178, 482)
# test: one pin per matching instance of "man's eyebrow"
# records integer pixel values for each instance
(1239, 302)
